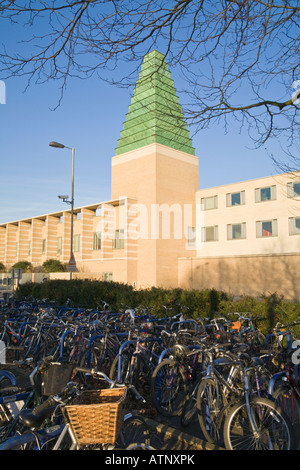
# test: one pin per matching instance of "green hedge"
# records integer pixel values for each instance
(205, 303)
(89, 293)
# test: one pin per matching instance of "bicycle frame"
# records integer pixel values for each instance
(66, 430)
(41, 438)
(24, 397)
(138, 350)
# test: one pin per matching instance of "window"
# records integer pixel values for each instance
(293, 189)
(97, 241)
(236, 231)
(266, 228)
(294, 225)
(267, 193)
(235, 199)
(44, 246)
(108, 277)
(29, 247)
(59, 245)
(77, 243)
(191, 236)
(118, 242)
(209, 203)
(210, 234)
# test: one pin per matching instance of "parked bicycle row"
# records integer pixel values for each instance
(223, 373)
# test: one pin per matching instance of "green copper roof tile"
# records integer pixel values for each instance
(154, 114)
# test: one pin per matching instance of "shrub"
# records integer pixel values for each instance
(26, 266)
(2, 268)
(53, 266)
(205, 303)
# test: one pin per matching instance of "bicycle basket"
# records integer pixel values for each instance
(96, 416)
(55, 377)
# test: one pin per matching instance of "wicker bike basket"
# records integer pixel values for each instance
(96, 416)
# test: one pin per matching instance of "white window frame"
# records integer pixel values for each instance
(191, 236)
(76, 243)
(229, 199)
(97, 241)
(259, 228)
(107, 276)
(258, 193)
(293, 229)
(118, 241)
(230, 231)
(291, 189)
(208, 201)
(214, 229)
(59, 245)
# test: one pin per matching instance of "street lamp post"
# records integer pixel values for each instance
(61, 146)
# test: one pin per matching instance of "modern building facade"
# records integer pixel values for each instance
(158, 228)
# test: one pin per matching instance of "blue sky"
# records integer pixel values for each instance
(90, 119)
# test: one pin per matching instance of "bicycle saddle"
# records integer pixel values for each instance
(31, 420)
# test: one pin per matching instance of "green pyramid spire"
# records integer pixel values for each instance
(154, 115)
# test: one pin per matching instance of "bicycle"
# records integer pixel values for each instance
(100, 353)
(171, 379)
(257, 423)
(281, 337)
(136, 360)
(284, 389)
(104, 426)
(13, 399)
(215, 392)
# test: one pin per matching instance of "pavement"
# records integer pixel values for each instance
(173, 437)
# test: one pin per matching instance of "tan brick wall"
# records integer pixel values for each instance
(239, 275)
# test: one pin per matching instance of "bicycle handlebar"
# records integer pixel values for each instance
(112, 383)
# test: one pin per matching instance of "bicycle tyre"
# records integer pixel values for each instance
(211, 403)
(95, 357)
(285, 397)
(32, 345)
(169, 388)
(139, 446)
(125, 365)
(136, 434)
(275, 431)
(189, 413)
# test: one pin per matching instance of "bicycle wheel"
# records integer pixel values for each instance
(32, 345)
(169, 388)
(137, 435)
(189, 412)
(211, 404)
(138, 446)
(95, 357)
(124, 367)
(285, 397)
(273, 431)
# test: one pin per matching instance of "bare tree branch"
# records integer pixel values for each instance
(239, 58)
